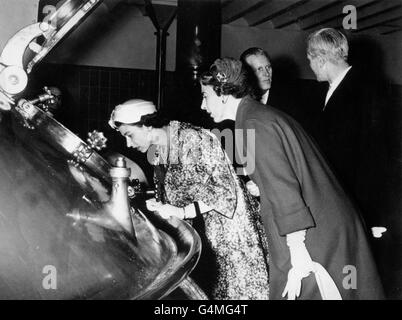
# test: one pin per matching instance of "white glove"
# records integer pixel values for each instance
(378, 231)
(253, 188)
(301, 262)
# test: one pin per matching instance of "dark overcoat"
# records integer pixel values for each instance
(350, 133)
(299, 191)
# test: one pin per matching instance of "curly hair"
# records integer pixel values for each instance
(229, 76)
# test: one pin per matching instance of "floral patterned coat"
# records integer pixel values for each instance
(234, 260)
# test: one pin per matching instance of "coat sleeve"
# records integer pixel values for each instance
(278, 181)
(207, 173)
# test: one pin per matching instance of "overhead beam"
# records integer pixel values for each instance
(391, 32)
(323, 16)
(379, 21)
(165, 2)
(369, 11)
(238, 8)
(385, 29)
(301, 12)
(291, 27)
(363, 8)
(270, 10)
(334, 15)
(266, 25)
(384, 11)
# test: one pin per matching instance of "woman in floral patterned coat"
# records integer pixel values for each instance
(196, 181)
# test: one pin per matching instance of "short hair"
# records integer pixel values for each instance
(329, 44)
(228, 76)
(254, 51)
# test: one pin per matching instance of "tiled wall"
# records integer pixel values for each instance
(90, 93)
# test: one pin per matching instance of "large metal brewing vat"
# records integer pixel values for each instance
(46, 172)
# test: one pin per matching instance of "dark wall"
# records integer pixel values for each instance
(89, 95)
(198, 43)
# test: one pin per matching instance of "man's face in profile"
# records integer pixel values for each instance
(262, 69)
(317, 65)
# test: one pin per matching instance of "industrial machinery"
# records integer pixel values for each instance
(68, 229)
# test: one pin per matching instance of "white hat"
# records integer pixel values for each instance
(131, 111)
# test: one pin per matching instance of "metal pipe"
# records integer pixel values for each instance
(161, 35)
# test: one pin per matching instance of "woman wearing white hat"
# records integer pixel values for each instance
(197, 181)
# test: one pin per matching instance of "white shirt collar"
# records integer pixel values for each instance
(335, 83)
(264, 97)
(339, 78)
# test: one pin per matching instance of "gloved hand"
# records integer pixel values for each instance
(253, 188)
(378, 231)
(301, 262)
(165, 210)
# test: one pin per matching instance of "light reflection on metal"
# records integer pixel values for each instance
(13, 52)
(27, 111)
(13, 75)
(96, 140)
(62, 138)
(13, 78)
(119, 205)
(65, 18)
(101, 219)
(98, 256)
(5, 101)
(116, 213)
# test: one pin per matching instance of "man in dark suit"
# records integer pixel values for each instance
(348, 124)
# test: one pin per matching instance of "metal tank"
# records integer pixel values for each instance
(68, 229)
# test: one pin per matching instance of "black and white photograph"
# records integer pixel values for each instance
(201, 154)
